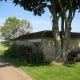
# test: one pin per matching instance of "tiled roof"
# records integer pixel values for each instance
(43, 34)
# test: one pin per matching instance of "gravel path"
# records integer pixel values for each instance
(9, 72)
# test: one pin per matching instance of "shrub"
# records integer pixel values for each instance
(16, 51)
(24, 53)
(11, 51)
(36, 57)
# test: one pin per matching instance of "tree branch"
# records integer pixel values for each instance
(60, 4)
(70, 10)
(50, 9)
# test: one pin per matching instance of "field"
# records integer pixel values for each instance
(45, 71)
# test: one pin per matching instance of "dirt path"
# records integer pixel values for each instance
(9, 72)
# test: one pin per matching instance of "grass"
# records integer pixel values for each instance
(45, 71)
(2, 48)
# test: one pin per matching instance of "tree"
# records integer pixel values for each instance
(14, 27)
(58, 9)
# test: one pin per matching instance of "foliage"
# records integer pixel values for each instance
(24, 53)
(15, 51)
(36, 57)
(10, 52)
(6, 43)
(38, 6)
(14, 27)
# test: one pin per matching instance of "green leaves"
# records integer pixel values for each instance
(14, 27)
(37, 6)
(24, 53)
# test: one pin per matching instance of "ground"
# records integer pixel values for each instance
(9, 72)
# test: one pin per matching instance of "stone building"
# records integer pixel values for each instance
(43, 42)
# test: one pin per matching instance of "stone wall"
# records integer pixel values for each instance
(74, 45)
(48, 49)
(34, 44)
(23, 42)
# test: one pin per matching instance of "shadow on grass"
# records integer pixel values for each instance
(69, 65)
(17, 63)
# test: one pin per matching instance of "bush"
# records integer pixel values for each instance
(36, 57)
(16, 51)
(11, 51)
(24, 53)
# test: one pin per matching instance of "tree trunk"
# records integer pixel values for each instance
(61, 44)
(62, 32)
(57, 41)
(66, 41)
(56, 34)
(66, 35)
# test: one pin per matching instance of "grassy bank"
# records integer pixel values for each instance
(44, 71)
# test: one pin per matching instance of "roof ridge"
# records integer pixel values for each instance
(43, 34)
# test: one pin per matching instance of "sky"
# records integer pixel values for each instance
(39, 23)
